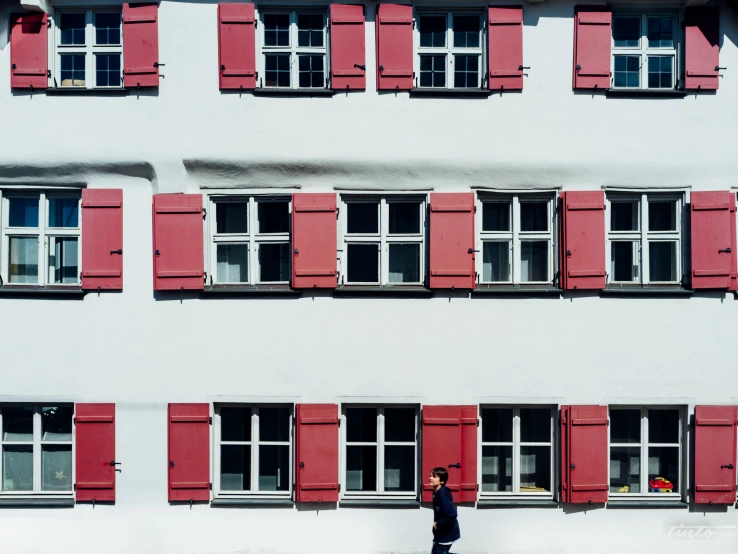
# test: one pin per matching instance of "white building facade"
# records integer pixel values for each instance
(264, 265)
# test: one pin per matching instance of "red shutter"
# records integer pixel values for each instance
(506, 48)
(713, 240)
(140, 45)
(715, 454)
(178, 249)
(102, 239)
(450, 441)
(583, 240)
(592, 40)
(236, 46)
(95, 452)
(316, 453)
(29, 51)
(314, 241)
(584, 454)
(189, 452)
(701, 48)
(452, 240)
(348, 47)
(394, 47)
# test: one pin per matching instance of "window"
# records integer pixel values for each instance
(40, 238)
(644, 236)
(294, 49)
(449, 50)
(250, 240)
(253, 451)
(88, 49)
(381, 454)
(36, 449)
(517, 451)
(383, 240)
(516, 238)
(645, 451)
(644, 50)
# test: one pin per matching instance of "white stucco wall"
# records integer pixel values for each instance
(142, 352)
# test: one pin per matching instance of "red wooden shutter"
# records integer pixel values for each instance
(314, 240)
(701, 48)
(316, 453)
(178, 250)
(583, 240)
(140, 45)
(506, 48)
(713, 240)
(102, 239)
(29, 50)
(452, 240)
(394, 47)
(715, 454)
(236, 46)
(584, 454)
(95, 452)
(450, 441)
(592, 40)
(348, 47)
(189, 452)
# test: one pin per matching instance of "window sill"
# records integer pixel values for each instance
(452, 92)
(516, 289)
(102, 91)
(23, 290)
(511, 503)
(674, 503)
(378, 503)
(361, 290)
(37, 502)
(294, 92)
(646, 291)
(645, 93)
(250, 290)
(221, 501)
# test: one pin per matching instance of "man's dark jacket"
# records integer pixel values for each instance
(444, 515)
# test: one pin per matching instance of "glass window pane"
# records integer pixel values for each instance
(663, 426)
(63, 212)
(107, 28)
(18, 468)
(534, 216)
(535, 425)
(107, 70)
(232, 263)
(466, 31)
(466, 71)
(235, 467)
(361, 468)
(23, 268)
(534, 261)
(625, 426)
(662, 261)
(311, 72)
(362, 217)
(361, 425)
(660, 32)
(72, 70)
(274, 469)
(624, 261)
(627, 71)
(17, 424)
(626, 31)
(399, 468)
(277, 72)
(535, 469)
(56, 423)
(496, 216)
(274, 424)
(662, 216)
(497, 468)
(433, 71)
(404, 218)
(497, 424)
(277, 29)
(432, 31)
(72, 27)
(274, 217)
(363, 263)
(23, 212)
(310, 30)
(231, 217)
(625, 468)
(404, 263)
(660, 70)
(64, 260)
(663, 469)
(235, 424)
(56, 467)
(399, 425)
(496, 261)
(624, 216)
(274, 262)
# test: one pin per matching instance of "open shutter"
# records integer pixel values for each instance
(236, 46)
(701, 48)
(29, 50)
(316, 453)
(102, 239)
(348, 47)
(452, 240)
(715, 454)
(178, 236)
(95, 452)
(394, 47)
(584, 454)
(713, 240)
(140, 45)
(583, 240)
(505, 48)
(314, 240)
(592, 39)
(189, 452)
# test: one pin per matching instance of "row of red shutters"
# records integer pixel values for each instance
(449, 439)
(237, 47)
(179, 260)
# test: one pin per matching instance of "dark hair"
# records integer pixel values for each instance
(441, 473)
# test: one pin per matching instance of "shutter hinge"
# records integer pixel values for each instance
(204, 213)
(339, 422)
(256, 23)
(210, 420)
(48, 23)
(75, 486)
(211, 486)
(74, 420)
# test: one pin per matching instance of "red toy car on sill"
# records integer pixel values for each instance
(659, 484)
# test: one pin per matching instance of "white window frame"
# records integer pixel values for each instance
(383, 238)
(644, 446)
(255, 443)
(293, 49)
(251, 237)
(643, 237)
(515, 236)
(380, 493)
(89, 49)
(516, 444)
(37, 443)
(46, 235)
(449, 51)
(644, 50)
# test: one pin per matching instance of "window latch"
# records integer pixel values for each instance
(718, 68)
(471, 251)
(727, 466)
(171, 463)
(113, 464)
(456, 465)
(157, 64)
(119, 251)
(362, 67)
(522, 67)
(725, 250)
(579, 67)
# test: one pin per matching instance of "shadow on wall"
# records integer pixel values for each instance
(5, 11)
(69, 174)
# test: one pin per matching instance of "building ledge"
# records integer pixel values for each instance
(512, 503)
(220, 502)
(70, 91)
(362, 290)
(645, 93)
(378, 503)
(671, 504)
(505, 290)
(451, 92)
(293, 92)
(646, 291)
(37, 502)
(26, 291)
(250, 290)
